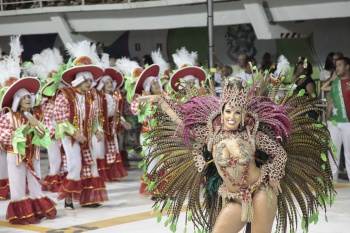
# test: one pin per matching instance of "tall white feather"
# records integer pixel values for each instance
(283, 66)
(103, 62)
(126, 66)
(183, 57)
(47, 61)
(93, 53)
(159, 60)
(3, 72)
(9, 68)
(82, 48)
(16, 46)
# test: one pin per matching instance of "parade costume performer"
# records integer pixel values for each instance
(131, 71)
(136, 85)
(164, 69)
(23, 130)
(75, 114)
(339, 113)
(48, 66)
(121, 130)
(109, 161)
(187, 81)
(249, 150)
(4, 178)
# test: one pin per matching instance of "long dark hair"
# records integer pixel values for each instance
(328, 64)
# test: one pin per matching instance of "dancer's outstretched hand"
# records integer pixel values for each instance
(149, 98)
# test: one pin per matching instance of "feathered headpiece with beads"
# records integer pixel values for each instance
(233, 95)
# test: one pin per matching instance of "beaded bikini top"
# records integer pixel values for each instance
(233, 162)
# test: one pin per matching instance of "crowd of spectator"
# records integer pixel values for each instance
(26, 4)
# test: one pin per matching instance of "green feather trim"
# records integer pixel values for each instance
(19, 141)
(143, 114)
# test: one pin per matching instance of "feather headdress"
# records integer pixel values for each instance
(283, 66)
(159, 60)
(83, 53)
(16, 46)
(126, 66)
(48, 61)
(131, 71)
(103, 62)
(82, 49)
(9, 68)
(184, 58)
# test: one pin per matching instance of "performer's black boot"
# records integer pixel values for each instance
(68, 203)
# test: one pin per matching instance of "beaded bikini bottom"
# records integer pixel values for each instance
(246, 195)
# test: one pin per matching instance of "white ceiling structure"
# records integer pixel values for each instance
(269, 18)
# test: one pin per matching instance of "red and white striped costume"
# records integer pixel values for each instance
(120, 130)
(25, 209)
(109, 160)
(56, 174)
(82, 181)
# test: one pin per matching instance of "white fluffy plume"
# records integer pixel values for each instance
(126, 66)
(183, 57)
(103, 62)
(16, 46)
(82, 48)
(47, 61)
(159, 60)
(9, 68)
(283, 66)
(3, 73)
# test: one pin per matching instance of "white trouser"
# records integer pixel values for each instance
(17, 179)
(54, 154)
(3, 165)
(73, 154)
(154, 161)
(340, 135)
(99, 148)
